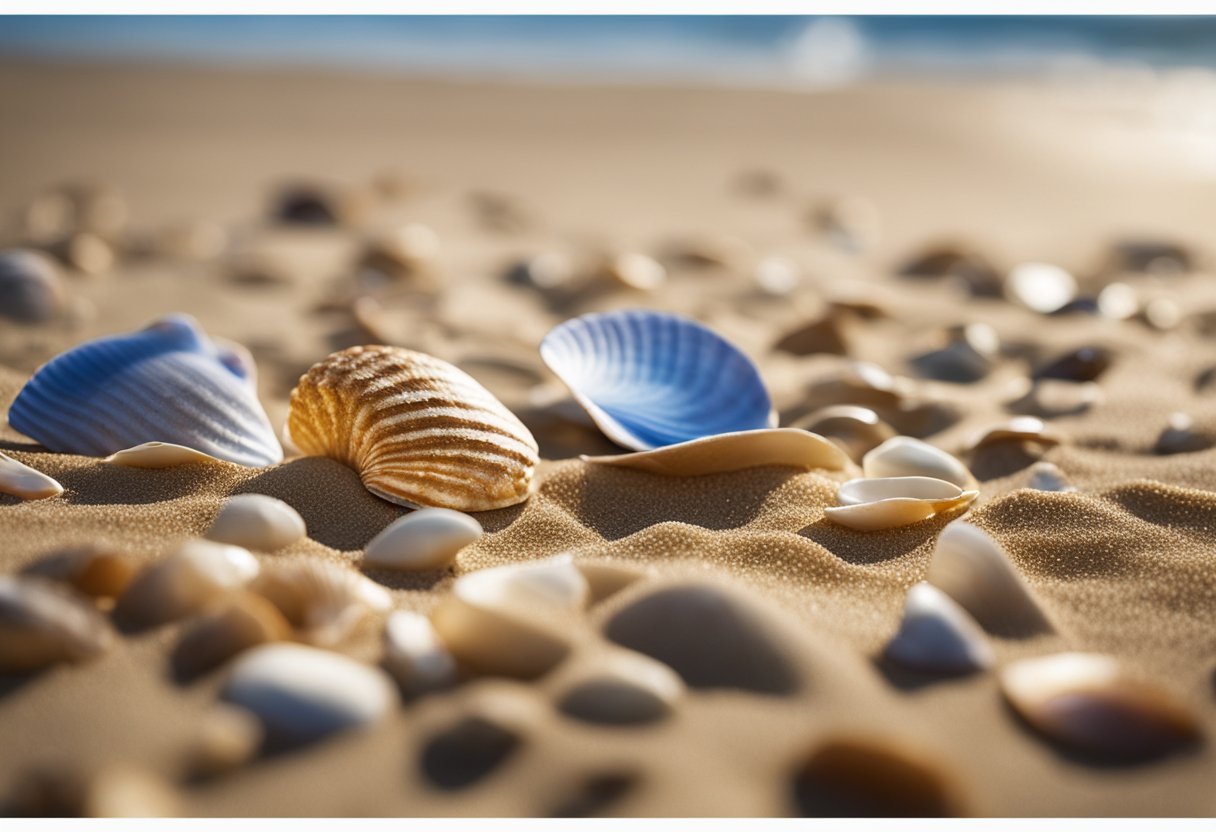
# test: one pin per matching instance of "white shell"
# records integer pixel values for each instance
(303, 694)
(938, 636)
(737, 451)
(1047, 476)
(636, 271)
(160, 455)
(257, 521)
(903, 456)
(975, 571)
(1088, 702)
(20, 480)
(186, 580)
(424, 540)
(323, 601)
(1017, 429)
(622, 688)
(889, 502)
(508, 619)
(1043, 287)
(42, 623)
(414, 655)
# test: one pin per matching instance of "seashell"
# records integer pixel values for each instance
(634, 270)
(1180, 436)
(1161, 314)
(508, 620)
(1087, 702)
(1082, 364)
(959, 263)
(245, 620)
(903, 456)
(726, 452)
(1047, 476)
(20, 480)
(822, 335)
(856, 430)
(167, 382)
(1157, 257)
(321, 600)
(865, 777)
(423, 540)
(1017, 429)
(302, 694)
(419, 431)
(1118, 301)
(712, 637)
(410, 251)
(923, 418)
(227, 738)
(94, 569)
(480, 741)
(257, 521)
(85, 252)
(1049, 398)
(310, 205)
(965, 359)
(975, 571)
(546, 271)
(938, 636)
(414, 655)
(1040, 287)
(876, 504)
(863, 384)
(185, 581)
(777, 276)
(160, 455)
(717, 252)
(623, 688)
(608, 577)
(31, 289)
(42, 623)
(650, 379)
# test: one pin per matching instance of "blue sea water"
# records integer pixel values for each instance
(754, 50)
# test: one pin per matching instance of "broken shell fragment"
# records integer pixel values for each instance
(512, 620)
(889, 502)
(185, 581)
(1087, 702)
(257, 521)
(975, 571)
(419, 431)
(160, 455)
(424, 540)
(938, 636)
(903, 456)
(727, 452)
(42, 623)
(322, 601)
(20, 480)
(414, 655)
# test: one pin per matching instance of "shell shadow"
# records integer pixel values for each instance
(596, 794)
(104, 484)
(910, 681)
(11, 683)
(11, 445)
(617, 502)
(1001, 460)
(561, 438)
(874, 547)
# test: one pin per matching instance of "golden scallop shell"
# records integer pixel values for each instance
(419, 431)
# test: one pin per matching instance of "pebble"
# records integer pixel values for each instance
(712, 637)
(302, 694)
(623, 688)
(425, 540)
(1180, 437)
(1082, 364)
(495, 726)
(31, 288)
(257, 521)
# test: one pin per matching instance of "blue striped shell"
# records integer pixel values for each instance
(166, 383)
(650, 379)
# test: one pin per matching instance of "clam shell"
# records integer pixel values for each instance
(20, 480)
(185, 581)
(650, 379)
(975, 571)
(31, 290)
(414, 655)
(1087, 702)
(903, 456)
(423, 540)
(938, 636)
(42, 623)
(160, 455)
(869, 505)
(419, 431)
(96, 569)
(257, 521)
(726, 452)
(507, 620)
(167, 382)
(323, 601)
(302, 694)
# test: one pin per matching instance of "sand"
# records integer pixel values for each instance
(1022, 171)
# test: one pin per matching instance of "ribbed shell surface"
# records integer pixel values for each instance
(419, 431)
(165, 383)
(651, 379)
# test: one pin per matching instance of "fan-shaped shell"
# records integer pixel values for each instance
(168, 382)
(728, 452)
(651, 379)
(419, 431)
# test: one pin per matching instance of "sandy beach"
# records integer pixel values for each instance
(1017, 171)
